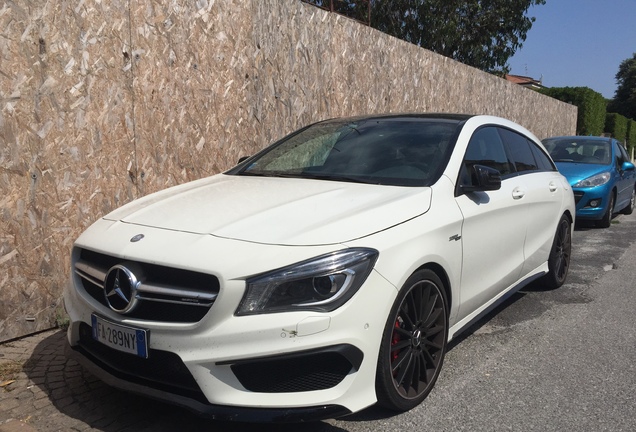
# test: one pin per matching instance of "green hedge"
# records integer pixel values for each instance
(592, 107)
(631, 134)
(616, 125)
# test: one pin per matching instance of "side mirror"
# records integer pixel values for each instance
(243, 159)
(628, 166)
(483, 179)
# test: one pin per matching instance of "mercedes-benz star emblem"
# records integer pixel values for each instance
(120, 289)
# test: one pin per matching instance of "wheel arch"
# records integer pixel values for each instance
(443, 276)
(614, 193)
(394, 391)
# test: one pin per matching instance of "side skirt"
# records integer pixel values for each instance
(471, 319)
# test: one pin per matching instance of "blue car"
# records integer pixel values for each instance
(601, 175)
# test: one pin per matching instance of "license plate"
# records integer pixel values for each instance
(122, 338)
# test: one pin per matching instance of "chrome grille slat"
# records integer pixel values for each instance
(164, 293)
(195, 295)
(97, 282)
(176, 302)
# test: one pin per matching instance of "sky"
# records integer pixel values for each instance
(578, 43)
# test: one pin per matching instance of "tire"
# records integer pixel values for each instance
(606, 221)
(632, 203)
(559, 259)
(413, 343)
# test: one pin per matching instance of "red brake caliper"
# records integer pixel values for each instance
(394, 341)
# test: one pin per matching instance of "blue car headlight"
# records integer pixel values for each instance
(321, 284)
(595, 180)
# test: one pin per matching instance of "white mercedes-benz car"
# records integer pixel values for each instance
(324, 274)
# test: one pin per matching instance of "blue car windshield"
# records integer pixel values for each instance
(400, 151)
(579, 150)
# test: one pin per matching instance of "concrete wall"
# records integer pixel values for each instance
(102, 102)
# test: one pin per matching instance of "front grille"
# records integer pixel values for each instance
(165, 294)
(162, 370)
(301, 372)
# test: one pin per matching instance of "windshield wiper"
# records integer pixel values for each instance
(305, 175)
(338, 177)
(282, 174)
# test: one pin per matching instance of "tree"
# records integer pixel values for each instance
(479, 33)
(355, 9)
(624, 102)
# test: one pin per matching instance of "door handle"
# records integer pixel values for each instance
(553, 187)
(518, 193)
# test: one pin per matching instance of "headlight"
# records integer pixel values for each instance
(595, 180)
(321, 284)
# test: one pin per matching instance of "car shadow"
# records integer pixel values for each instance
(585, 225)
(378, 413)
(485, 319)
(82, 399)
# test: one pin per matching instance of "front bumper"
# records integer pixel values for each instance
(585, 206)
(191, 399)
(292, 366)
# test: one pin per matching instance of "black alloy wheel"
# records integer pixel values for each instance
(413, 343)
(559, 259)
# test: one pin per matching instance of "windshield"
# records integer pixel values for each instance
(405, 151)
(579, 150)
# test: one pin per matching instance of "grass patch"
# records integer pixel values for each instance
(10, 370)
(62, 320)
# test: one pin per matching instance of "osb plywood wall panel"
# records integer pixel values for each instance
(66, 139)
(105, 101)
(191, 89)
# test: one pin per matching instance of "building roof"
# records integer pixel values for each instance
(524, 81)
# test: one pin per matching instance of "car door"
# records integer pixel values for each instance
(494, 226)
(625, 179)
(544, 194)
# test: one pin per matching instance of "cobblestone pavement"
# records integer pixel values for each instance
(30, 373)
(42, 390)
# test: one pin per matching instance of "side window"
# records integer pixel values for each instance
(543, 161)
(620, 156)
(624, 153)
(520, 151)
(484, 148)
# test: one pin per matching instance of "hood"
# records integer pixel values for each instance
(576, 172)
(283, 211)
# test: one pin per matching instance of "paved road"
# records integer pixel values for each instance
(561, 360)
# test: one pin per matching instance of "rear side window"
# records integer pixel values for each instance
(520, 152)
(543, 161)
